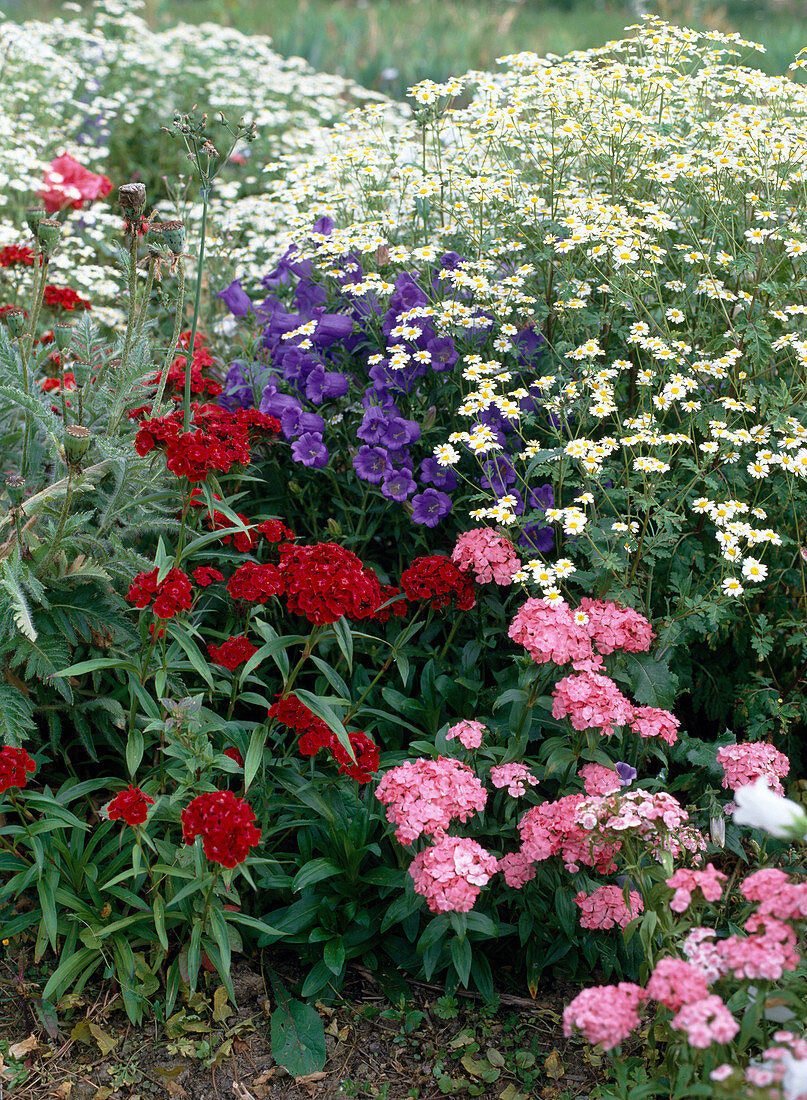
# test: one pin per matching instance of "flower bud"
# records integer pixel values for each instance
(63, 334)
(15, 486)
(33, 216)
(717, 831)
(15, 320)
(48, 233)
(173, 233)
(132, 198)
(76, 441)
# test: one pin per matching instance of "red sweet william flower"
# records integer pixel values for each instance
(205, 575)
(326, 581)
(68, 183)
(172, 595)
(313, 732)
(16, 254)
(274, 530)
(232, 653)
(438, 580)
(15, 764)
(366, 753)
(226, 825)
(382, 614)
(255, 583)
(130, 805)
(64, 297)
(235, 755)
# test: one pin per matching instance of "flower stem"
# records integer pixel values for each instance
(130, 320)
(141, 320)
(196, 303)
(174, 338)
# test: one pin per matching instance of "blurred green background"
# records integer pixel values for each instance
(389, 44)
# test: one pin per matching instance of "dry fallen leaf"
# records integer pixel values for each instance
(309, 1081)
(26, 1046)
(64, 1090)
(553, 1067)
(241, 1093)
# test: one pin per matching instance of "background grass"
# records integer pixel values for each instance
(390, 44)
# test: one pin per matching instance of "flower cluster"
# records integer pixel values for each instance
(515, 777)
(131, 806)
(590, 700)
(15, 766)
(599, 780)
(487, 554)
(225, 824)
(744, 764)
(658, 818)
(605, 907)
(685, 882)
(314, 735)
(232, 653)
(256, 583)
(439, 581)
(172, 595)
(325, 581)
(450, 872)
(468, 731)
(605, 1014)
(69, 184)
(552, 829)
(424, 796)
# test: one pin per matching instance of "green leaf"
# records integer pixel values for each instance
(653, 683)
(192, 651)
(316, 870)
(333, 955)
(344, 639)
(135, 746)
(461, 954)
(158, 909)
(252, 760)
(296, 1034)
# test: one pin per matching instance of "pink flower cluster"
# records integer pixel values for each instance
(706, 1021)
(551, 633)
(488, 554)
(605, 907)
(614, 627)
(676, 982)
(598, 779)
(588, 700)
(700, 948)
(469, 733)
(424, 796)
(605, 1014)
(766, 953)
(517, 869)
(449, 874)
(513, 776)
(552, 829)
(655, 722)
(784, 1065)
(638, 811)
(777, 895)
(709, 881)
(744, 764)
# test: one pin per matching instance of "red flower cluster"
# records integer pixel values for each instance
(438, 579)
(68, 183)
(200, 360)
(235, 755)
(389, 592)
(226, 825)
(132, 806)
(205, 575)
(63, 297)
(255, 583)
(49, 384)
(315, 735)
(232, 653)
(220, 439)
(366, 753)
(14, 767)
(326, 581)
(274, 530)
(16, 254)
(171, 595)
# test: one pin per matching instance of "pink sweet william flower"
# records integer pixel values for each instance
(655, 722)
(706, 1021)
(551, 633)
(449, 873)
(605, 1014)
(68, 183)
(425, 796)
(777, 896)
(551, 829)
(709, 881)
(598, 779)
(658, 818)
(517, 869)
(676, 982)
(469, 733)
(591, 701)
(514, 777)
(700, 948)
(767, 953)
(489, 555)
(613, 627)
(744, 764)
(605, 907)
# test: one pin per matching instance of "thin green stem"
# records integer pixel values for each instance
(130, 319)
(141, 320)
(172, 347)
(65, 512)
(186, 420)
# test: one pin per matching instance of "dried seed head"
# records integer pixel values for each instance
(15, 320)
(132, 198)
(14, 487)
(33, 216)
(76, 441)
(63, 334)
(48, 232)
